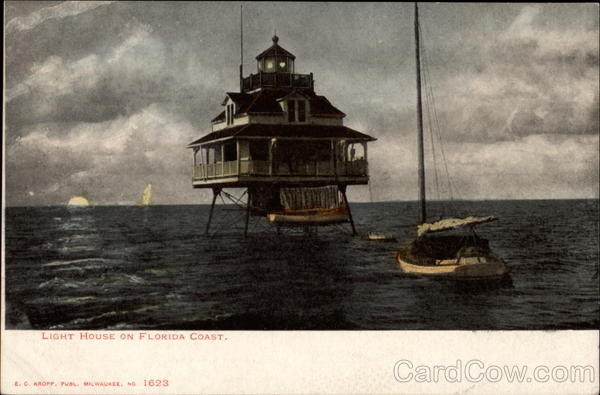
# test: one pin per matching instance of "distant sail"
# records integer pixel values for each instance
(78, 201)
(146, 199)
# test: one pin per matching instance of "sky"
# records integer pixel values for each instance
(101, 98)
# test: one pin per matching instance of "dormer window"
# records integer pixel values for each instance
(229, 112)
(301, 111)
(296, 110)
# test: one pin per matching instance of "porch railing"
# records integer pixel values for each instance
(356, 168)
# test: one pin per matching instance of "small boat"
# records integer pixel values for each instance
(317, 206)
(372, 236)
(146, 199)
(303, 217)
(463, 256)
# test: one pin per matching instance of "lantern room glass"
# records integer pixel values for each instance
(279, 64)
(270, 65)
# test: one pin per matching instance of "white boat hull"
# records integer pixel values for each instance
(485, 267)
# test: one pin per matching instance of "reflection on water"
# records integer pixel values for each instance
(78, 231)
(152, 267)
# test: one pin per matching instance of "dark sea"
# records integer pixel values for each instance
(125, 267)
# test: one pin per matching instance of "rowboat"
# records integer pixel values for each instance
(305, 217)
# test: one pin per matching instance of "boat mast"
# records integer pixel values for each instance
(423, 217)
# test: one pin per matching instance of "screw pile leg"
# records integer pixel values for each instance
(216, 192)
(342, 189)
(247, 216)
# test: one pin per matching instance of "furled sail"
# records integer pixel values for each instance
(452, 223)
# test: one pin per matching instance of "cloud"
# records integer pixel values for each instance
(534, 79)
(63, 10)
(550, 166)
(532, 167)
(544, 41)
(86, 94)
(136, 72)
(108, 160)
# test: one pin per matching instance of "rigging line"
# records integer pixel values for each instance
(433, 154)
(230, 196)
(449, 179)
(235, 200)
(427, 81)
(239, 202)
(436, 118)
(243, 206)
(239, 206)
(236, 219)
(227, 217)
(431, 127)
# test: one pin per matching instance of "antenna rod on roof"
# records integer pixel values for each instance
(241, 48)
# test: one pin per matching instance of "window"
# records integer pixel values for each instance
(283, 65)
(229, 111)
(301, 111)
(270, 65)
(230, 152)
(296, 110)
(291, 105)
(259, 149)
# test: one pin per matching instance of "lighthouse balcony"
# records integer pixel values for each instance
(243, 172)
(282, 154)
(277, 80)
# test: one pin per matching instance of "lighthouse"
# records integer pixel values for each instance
(285, 144)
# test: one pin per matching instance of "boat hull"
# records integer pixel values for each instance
(309, 217)
(487, 267)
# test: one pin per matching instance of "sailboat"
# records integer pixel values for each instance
(79, 201)
(463, 256)
(146, 199)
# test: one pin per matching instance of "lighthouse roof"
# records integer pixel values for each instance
(283, 131)
(275, 51)
(266, 102)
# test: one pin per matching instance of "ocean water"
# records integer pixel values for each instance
(117, 267)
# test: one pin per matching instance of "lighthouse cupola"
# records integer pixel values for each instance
(275, 68)
(275, 59)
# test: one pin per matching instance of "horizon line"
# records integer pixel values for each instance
(355, 202)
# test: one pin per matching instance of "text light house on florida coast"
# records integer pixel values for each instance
(285, 144)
